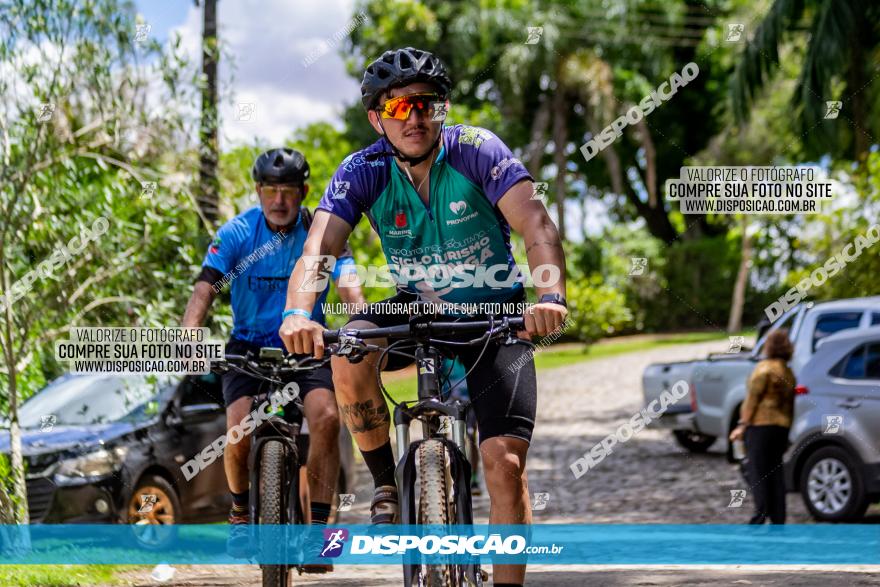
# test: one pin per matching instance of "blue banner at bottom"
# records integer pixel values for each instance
(651, 544)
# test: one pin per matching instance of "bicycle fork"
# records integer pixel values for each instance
(427, 409)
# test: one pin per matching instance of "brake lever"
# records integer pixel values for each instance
(220, 366)
(350, 347)
(511, 340)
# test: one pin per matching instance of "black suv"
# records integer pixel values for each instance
(109, 448)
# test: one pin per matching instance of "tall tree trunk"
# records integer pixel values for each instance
(538, 137)
(656, 219)
(209, 183)
(855, 87)
(650, 161)
(20, 514)
(734, 324)
(560, 140)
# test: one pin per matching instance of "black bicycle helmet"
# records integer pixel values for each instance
(401, 67)
(281, 166)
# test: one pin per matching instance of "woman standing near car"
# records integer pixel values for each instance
(765, 419)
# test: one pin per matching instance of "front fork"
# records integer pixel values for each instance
(430, 408)
(428, 365)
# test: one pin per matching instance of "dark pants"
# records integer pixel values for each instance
(765, 446)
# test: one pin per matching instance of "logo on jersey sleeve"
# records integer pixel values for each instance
(503, 166)
(339, 189)
(473, 135)
(215, 246)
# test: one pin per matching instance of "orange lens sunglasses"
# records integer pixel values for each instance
(399, 108)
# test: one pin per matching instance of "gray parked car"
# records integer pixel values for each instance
(718, 383)
(834, 458)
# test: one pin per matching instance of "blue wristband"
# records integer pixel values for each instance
(296, 312)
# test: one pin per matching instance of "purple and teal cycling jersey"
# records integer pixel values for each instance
(455, 249)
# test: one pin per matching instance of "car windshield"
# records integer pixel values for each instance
(77, 400)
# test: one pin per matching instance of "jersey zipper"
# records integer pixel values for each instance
(418, 196)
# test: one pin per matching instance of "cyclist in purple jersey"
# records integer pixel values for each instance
(440, 198)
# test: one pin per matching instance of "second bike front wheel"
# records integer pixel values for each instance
(434, 498)
(272, 506)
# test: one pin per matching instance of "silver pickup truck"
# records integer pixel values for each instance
(718, 383)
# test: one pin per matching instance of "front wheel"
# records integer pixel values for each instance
(434, 507)
(273, 507)
(831, 486)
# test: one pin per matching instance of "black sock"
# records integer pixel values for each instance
(240, 500)
(320, 513)
(380, 462)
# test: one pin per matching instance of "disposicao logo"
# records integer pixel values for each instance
(334, 540)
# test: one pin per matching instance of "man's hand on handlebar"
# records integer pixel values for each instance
(542, 319)
(302, 336)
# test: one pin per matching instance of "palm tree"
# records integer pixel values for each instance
(844, 38)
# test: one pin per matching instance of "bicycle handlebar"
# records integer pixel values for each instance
(424, 329)
(274, 362)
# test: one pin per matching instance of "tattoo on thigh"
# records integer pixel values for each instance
(363, 416)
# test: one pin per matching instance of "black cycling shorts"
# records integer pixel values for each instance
(237, 385)
(502, 386)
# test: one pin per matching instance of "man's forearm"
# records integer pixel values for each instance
(305, 274)
(197, 307)
(352, 296)
(543, 247)
(296, 296)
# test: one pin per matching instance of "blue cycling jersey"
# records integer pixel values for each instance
(258, 262)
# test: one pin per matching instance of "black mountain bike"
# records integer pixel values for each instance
(439, 463)
(274, 460)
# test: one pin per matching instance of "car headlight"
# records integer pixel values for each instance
(94, 464)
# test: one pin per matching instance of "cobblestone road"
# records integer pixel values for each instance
(649, 479)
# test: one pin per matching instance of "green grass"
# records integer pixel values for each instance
(58, 575)
(552, 357)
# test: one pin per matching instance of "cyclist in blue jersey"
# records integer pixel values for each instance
(255, 253)
(443, 200)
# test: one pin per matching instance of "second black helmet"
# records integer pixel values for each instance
(281, 166)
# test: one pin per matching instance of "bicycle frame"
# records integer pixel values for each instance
(428, 409)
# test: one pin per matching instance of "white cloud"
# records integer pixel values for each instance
(276, 113)
(267, 43)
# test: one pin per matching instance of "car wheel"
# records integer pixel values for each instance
(831, 486)
(154, 503)
(693, 441)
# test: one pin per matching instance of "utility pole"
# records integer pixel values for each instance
(208, 195)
